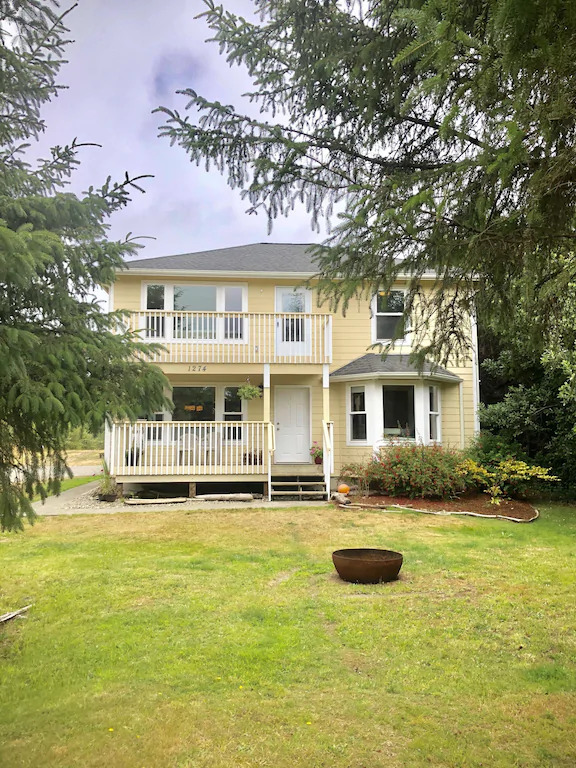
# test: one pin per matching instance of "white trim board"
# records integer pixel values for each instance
(396, 376)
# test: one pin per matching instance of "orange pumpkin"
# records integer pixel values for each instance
(343, 488)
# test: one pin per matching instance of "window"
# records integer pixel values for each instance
(434, 412)
(195, 298)
(233, 302)
(206, 302)
(398, 402)
(358, 413)
(291, 302)
(389, 309)
(155, 297)
(194, 403)
(155, 326)
(153, 433)
(209, 404)
(232, 412)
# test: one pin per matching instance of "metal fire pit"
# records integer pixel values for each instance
(367, 566)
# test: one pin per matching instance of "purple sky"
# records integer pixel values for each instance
(128, 57)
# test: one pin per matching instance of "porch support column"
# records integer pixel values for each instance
(266, 392)
(107, 444)
(326, 392)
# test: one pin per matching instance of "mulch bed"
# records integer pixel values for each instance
(471, 504)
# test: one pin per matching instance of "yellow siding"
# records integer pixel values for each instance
(351, 339)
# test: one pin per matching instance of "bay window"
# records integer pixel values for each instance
(434, 413)
(398, 407)
(378, 413)
(358, 426)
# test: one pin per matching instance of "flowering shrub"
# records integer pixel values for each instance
(508, 477)
(417, 471)
(432, 472)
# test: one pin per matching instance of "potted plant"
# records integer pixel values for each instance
(107, 490)
(317, 453)
(249, 391)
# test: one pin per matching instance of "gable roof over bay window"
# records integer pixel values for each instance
(394, 366)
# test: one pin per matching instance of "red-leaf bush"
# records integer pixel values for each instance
(416, 471)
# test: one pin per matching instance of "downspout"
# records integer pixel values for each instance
(461, 399)
(475, 371)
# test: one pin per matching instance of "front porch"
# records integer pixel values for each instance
(194, 451)
(190, 448)
(211, 435)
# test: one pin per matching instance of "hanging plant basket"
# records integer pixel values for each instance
(249, 392)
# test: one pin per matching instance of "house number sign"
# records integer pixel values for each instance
(197, 368)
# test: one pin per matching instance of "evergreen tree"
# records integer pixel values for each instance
(529, 392)
(62, 362)
(441, 132)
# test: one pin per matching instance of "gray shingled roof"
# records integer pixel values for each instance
(375, 364)
(258, 257)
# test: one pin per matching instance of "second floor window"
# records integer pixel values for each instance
(205, 301)
(389, 311)
(155, 296)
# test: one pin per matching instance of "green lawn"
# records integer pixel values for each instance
(216, 639)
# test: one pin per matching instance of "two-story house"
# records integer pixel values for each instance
(232, 315)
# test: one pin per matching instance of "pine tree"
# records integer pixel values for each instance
(441, 134)
(63, 363)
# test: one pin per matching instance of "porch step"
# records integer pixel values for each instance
(302, 492)
(305, 488)
(299, 482)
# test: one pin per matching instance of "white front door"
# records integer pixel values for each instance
(292, 417)
(292, 332)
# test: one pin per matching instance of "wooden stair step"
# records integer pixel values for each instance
(298, 493)
(301, 482)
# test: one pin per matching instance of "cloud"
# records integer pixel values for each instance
(128, 58)
(176, 70)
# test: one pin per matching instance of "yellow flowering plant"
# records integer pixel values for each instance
(508, 477)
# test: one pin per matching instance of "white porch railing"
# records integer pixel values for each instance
(271, 449)
(328, 452)
(189, 448)
(236, 337)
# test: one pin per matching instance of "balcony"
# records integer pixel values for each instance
(236, 337)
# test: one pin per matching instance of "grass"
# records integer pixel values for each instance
(70, 482)
(209, 639)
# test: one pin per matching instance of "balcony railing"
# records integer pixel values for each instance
(236, 337)
(190, 448)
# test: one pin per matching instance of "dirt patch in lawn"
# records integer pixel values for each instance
(86, 458)
(471, 504)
